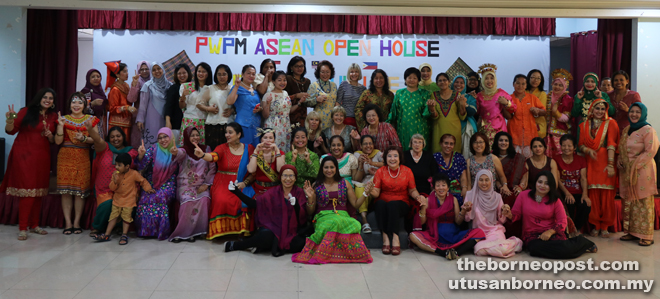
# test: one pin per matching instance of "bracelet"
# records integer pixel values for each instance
(246, 182)
(310, 205)
(57, 134)
(421, 216)
(278, 155)
(85, 140)
(253, 155)
(364, 194)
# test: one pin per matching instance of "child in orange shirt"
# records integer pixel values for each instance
(124, 185)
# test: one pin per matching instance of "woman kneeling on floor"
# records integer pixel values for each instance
(442, 215)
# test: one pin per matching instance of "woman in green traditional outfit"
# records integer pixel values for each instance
(586, 96)
(447, 111)
(409, 113)
(305, 160)
(426, 80)
(336, 237)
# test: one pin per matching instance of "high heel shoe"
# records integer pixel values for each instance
(387, 249)
(396, 250)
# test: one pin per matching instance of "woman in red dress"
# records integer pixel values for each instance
(28, 166)
(265, 161)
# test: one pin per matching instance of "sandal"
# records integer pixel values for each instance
(387, 249)
(366, 228)
(396, 250)
(451, 254)
(101, 238)
(39, 231)
(22, 235)
(628, 237)
(123, 240)
(593, 249)
(643, 242)
(77, 230)
(67, 231)
(604, 233)
(594, 233)
(93, 233)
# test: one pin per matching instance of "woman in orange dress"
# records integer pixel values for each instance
(227, 214)
(120, 110)
(599, 136)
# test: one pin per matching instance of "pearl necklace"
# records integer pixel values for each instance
(249, 88)
(413, 156)
(397, 172)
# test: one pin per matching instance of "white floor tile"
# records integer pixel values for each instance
(25, 259)
(195, 280)
(129, 280)
(187, 295)
(58, 278)
(264, 280)
(206, 260)
(111, 293)
(144, 260)
(38, 294)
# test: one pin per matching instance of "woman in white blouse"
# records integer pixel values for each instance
(214, 102)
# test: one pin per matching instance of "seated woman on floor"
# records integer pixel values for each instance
(544, 221)
(336, 237)
(443, 216)
(280, 215)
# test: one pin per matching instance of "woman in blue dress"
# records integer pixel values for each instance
(453, 165)
(246, 101)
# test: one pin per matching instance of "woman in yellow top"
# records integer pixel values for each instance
(323, 93)
(447, 112)
(426, 82)
(535, 83)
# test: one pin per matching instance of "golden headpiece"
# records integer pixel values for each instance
(561, 73)
(487, 67)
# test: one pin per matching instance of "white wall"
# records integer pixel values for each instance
(565, 26)
(85, 61)
(647, 76)
(13, 32)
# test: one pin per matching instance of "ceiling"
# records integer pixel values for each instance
(476, 8)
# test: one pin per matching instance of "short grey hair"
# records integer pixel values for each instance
(418, 137)
(337, 109)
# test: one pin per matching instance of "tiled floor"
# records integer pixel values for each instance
(58, 266)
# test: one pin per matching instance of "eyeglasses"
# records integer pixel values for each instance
(288, 176)
(299, 66)
(479, 142)
(163, 137)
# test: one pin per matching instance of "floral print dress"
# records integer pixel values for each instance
(279, 120)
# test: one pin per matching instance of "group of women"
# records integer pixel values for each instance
(458, 163)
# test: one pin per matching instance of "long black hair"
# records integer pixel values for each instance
(529, 80)
(176, 70)
(320, 178)
(123, 135)
(386, 86)
(31, 118)
(510, 151)
(209, 74)
(267, 61)
(227, 70)
(553, 194)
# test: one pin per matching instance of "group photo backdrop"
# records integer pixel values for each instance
(392, 53)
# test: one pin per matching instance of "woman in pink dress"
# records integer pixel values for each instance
(484, 207)
(492, 103)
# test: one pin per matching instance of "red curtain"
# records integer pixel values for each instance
(101, 19)
(584, 53)
(614, 46)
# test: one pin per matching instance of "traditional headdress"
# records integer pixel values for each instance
(485, 69)
(113, 68)
(564, 78)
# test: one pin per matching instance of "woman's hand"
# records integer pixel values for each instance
(320, 99)
(294, 154)
(372, 171)
(467, 206)
(598, 93)
(430, 103)
(79, 136)
(555, 106)
(570, 199)
(140, 126)
(89, 125)
(227, 112)
(11, 114)
(241, 185)
(132, 109)
(142, 150)
(623, 107)
(186, 92)
(503, 101)
(309, 191)
(198, 151)
(305, 155)
(473, 94)
(610, 170)
(506, 211)
(213, 109)
(546, 235)
(60, 120)
(517, 190)
(585, 199)
(302, 96)
(202, 188)
(423, 201)
(257, 109)
(592, 153)
(174, 151)
(619, 163)
(355, 135)
(97, 102)
(580, 93)
(135, 79)
(505, 190)
(318, 141)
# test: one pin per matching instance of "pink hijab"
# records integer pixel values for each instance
(485, 201)
(554, 96)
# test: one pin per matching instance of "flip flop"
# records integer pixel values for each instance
(77, 230)
(68, 231)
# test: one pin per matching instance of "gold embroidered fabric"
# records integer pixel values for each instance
(27, 192)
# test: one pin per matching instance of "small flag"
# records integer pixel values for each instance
(369, 65)
(315, 64)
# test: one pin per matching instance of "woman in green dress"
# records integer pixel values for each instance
(426, 81)
(305, 160)
(409, 113)
(447, 112)
(586, 96)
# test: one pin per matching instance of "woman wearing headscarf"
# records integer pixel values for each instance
(598, 139)
(558, 117)
(492, 102)
(94, 91)
(281, 217)
(622, 97)
(469, 124)
(586, 96)
(638, 182)
(158, 167)
(120, 110)
(150, 116)
(426, 81)
(28, 166)
(448, 110)
(193, 182)
(486, 207)
(142, 76)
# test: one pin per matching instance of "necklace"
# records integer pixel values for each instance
(234, 148)
(397, 172)
(538, 198)
(300, 83)
(412, 153)
(249, 88)
(334, 133)
(545, 159)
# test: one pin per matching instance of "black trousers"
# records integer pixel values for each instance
(559, 249)
(578, 211)
(265, 240)
(389, 214)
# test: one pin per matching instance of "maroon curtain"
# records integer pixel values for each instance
(614, 46)
(584, 53)
(96, 19)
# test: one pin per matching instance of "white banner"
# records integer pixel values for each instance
(392, 53)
